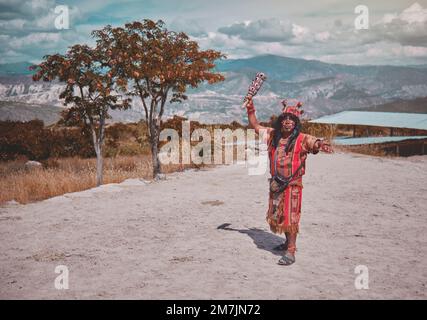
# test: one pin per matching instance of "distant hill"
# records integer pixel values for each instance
(279, 68)
(324, 88)
(418, 105)
(294, 69)
(21, 111)
(49, 114)
(18, 68)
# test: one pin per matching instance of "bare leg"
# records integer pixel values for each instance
(292, 241)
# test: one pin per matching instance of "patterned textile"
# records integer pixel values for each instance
(284, 210)
(286, 217)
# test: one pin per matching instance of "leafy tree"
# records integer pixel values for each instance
(89, 90)
(154, 65)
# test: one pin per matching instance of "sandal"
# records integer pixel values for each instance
(286, 260)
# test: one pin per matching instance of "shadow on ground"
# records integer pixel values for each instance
(263, 240)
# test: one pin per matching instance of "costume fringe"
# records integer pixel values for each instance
(279, 229)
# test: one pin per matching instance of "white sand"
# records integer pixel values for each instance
(160, 240)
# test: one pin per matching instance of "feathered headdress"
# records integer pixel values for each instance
(294, 110)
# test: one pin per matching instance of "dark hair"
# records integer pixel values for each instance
(277, 126)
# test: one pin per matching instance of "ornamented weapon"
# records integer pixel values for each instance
(254, 87)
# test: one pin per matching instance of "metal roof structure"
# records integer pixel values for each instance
(346, 141)
(377, 119)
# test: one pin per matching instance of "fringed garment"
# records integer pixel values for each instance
(284, 211)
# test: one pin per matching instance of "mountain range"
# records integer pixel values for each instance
(323, 88)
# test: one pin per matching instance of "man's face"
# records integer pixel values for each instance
(288, 124)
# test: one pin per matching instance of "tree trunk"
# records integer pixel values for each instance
(154, 142)
(99, 167)
(99, 161)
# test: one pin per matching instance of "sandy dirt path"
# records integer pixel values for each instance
(160, 240)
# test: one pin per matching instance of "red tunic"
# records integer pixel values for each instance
(284, 213)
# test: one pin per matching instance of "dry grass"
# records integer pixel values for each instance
(370, 150)
(62, 176)
(322, 130)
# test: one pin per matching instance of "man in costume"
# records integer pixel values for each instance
(287, 149)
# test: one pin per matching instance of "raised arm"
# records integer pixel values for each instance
(253, 121)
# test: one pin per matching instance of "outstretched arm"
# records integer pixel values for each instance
(324, 145)
(313, 145)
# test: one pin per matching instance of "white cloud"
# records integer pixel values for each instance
(35, 39)
(389, 17)
(395, 36)
(28, 30)
(407, 28)
(267, 30)
(23, 9)
(300, 34)
(374, 52)
(399, 36)
(8, 26)
(411, 51)
(190, 26)
(414, 14)
(322, 36)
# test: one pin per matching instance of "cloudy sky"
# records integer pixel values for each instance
(322, 30)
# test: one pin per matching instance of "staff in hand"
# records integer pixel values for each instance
(254, 87)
